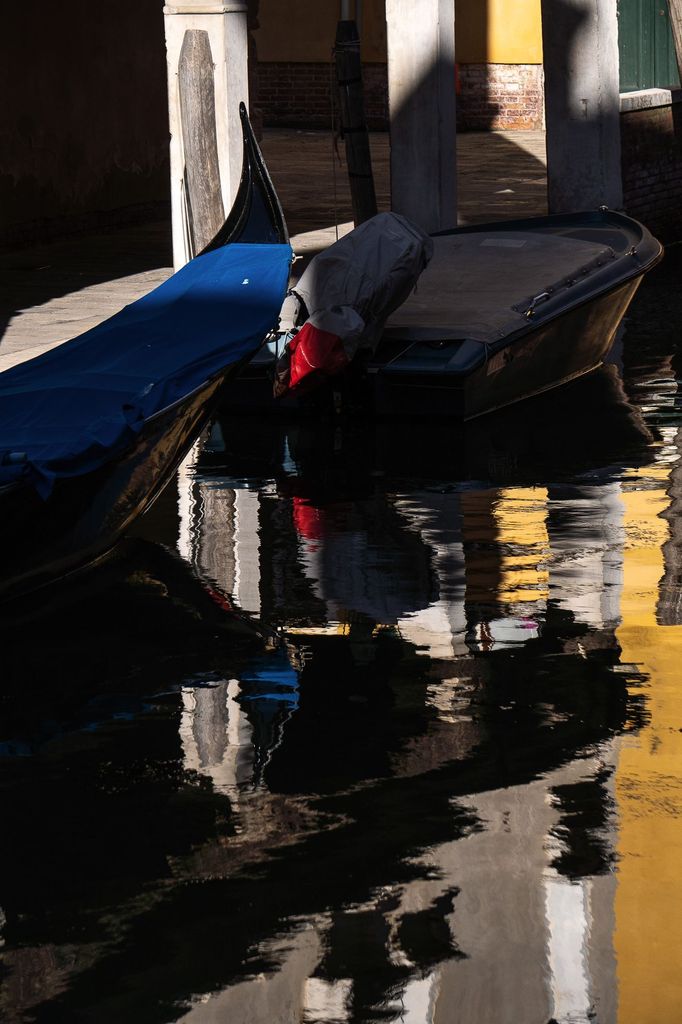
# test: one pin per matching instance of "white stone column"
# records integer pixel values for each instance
(225, 24)
(421, 95)
(582, 108)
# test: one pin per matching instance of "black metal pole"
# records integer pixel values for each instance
(352, 120)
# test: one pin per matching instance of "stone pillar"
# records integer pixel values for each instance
(582, 107)
(225, 23)
(421, 95)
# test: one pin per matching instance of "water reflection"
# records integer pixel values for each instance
(438, 782)
(669, 608)
(484, 619)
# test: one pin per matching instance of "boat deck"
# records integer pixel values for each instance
(479, 285)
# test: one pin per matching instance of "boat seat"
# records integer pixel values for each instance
(455, 356)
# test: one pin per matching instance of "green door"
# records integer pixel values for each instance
(645, 41)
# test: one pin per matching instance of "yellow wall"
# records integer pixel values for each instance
(486, 31)
(649, 781)
(498, 32)
(303, 30)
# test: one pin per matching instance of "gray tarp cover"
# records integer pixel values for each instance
(478, 285)
(352, 287)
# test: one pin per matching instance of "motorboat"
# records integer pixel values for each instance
(496, 313)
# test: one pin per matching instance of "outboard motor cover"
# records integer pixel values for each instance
(346, 295)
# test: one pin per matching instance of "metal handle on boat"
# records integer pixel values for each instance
(542, 297)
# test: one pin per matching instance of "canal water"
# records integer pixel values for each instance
(369, 723)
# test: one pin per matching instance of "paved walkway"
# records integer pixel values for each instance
(55, 292)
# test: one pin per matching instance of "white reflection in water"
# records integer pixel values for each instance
(502, 633)
(326, 1002)
(186, 503)
(246, 586)
(438, 629)
(567, 914)
(419, 1000)
(216, 736)
(585, 526)
(432, 629)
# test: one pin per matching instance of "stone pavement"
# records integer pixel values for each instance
(56, 291)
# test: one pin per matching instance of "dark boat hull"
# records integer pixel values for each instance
(42, 541)
(502, 312)
(352, 456)
(535, 360)
(540, 359)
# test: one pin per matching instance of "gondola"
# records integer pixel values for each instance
(502, 311)
(91, 431)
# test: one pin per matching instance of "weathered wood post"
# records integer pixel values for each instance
(582, 104)
(203, 196)
(224, 23)
(353, 124)
(421, 96)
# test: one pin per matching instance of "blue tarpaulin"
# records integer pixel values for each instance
(70, 410)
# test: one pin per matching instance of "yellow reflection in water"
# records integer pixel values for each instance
(521, 516)
(649, 775)
(508, 529)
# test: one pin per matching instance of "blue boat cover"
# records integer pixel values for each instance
(71, 409)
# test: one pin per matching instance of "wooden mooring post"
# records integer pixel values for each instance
(352, 121)
(217, 40)
(203, 196)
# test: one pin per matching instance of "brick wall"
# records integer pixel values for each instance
(298, 95)
(652, 168)
(499, 96)
(503, 97)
